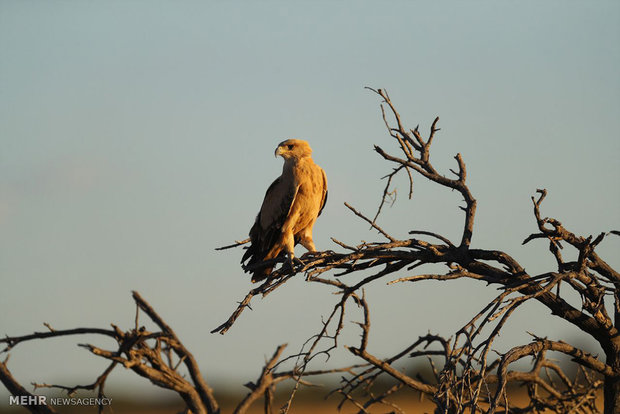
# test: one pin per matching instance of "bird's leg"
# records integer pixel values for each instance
(305, 239)
(292, 260)
(308, 244)
(290, 252)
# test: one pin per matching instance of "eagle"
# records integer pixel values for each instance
(291, 205)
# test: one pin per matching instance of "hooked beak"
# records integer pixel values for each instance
(278, 151)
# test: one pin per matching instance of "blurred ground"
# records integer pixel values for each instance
(300, 406)
(307, 402)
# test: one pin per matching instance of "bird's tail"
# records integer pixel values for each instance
(254, 257)
(261, 248)
(261, 275)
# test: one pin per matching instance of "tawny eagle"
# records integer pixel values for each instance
(291, 206)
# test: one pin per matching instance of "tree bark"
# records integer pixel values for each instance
(611, 389)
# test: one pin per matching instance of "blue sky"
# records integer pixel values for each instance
(135, 137)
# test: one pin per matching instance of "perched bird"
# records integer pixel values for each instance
(291, 206)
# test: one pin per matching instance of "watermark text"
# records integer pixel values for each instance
(28, 400)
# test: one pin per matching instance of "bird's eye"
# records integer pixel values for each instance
(290, 146)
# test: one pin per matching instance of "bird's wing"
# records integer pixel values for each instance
(276, 206)
(324, 199)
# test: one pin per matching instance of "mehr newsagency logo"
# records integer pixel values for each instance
(27, 400)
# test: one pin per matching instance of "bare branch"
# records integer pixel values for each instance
(17, 390)
(235, 244)
(372, 223)
(262, 384)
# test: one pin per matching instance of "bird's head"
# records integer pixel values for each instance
(293, 148)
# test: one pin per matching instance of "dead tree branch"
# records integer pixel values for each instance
(146, 353)
(468, 377)
(467, 374)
